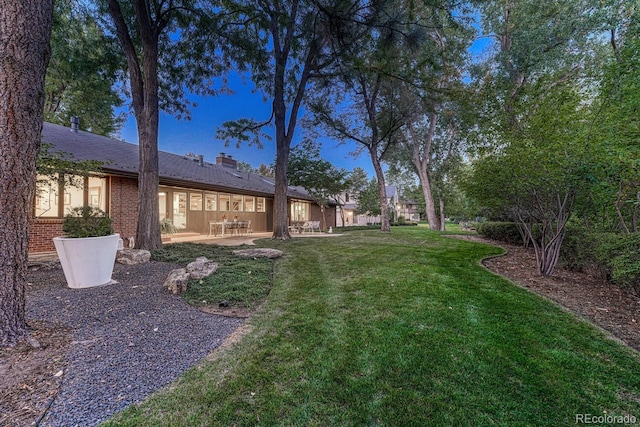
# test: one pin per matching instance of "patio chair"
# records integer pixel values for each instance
(311, 226)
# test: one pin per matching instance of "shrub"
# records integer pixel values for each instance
(501, 231)
(578, 250)
(611, 255)
(621, 256)
(87, 221)
(167, 227)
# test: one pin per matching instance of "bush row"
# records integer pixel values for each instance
(500, 231)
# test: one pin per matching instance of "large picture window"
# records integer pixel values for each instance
(52, 201)
(299, 211)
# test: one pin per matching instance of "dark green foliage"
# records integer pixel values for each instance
(87, 221)
(612, 255)
(241, 282)
(357, 228)
(579, 250)
(403, 223)
(621, 256)
(501, 231)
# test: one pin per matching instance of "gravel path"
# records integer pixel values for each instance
(130, 339)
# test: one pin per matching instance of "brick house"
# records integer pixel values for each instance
(192, 191)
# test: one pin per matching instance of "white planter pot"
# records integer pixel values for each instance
(87, 261)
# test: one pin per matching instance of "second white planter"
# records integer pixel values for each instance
(87, 261)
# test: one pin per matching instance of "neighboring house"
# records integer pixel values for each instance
(349, 207)
(192, 191)
(409, 209)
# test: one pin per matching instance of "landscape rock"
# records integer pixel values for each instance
(133, 256)
(259, 253)
(176, 281)
(201, 268)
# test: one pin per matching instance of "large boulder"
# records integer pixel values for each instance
(133, 256)
(201, 268)
(259, 253)
(176, 281)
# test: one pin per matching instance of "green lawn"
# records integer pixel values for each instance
(401, 329)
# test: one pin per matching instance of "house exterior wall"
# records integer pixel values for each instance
(42, 232)
(123, 206)
(123, 209)
(329, 215)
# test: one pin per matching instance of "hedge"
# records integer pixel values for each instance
(500, 231)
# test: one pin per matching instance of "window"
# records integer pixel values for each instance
(195, 201)
(237, 203)
(47, 198)
(51, 202)
(73, 198)
(97, 193)
(299, 211)
(249, 204)
(225, 202)
(210, 202)
(260, 207)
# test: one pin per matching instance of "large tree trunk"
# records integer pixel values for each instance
(148, 226)
(25, 30)
(283, 144)
(430, 204)
(421, 158)
(144, 92)
(280, 205)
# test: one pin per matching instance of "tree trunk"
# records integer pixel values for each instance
(421, 159)
(144, 93)
(280, 204)
(430, 204)
(442, 213)
(148, 225)
(385, 225)
(25, 30)
(283, 144)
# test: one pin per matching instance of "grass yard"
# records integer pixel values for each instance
(401, 329)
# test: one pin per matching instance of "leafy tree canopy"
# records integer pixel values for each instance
(83, 72)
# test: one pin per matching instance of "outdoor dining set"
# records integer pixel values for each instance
(220, 228)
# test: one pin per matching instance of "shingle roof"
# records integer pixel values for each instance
(121, 158)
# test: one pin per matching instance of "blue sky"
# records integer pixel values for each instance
(198, 134)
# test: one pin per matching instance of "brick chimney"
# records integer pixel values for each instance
(227, 161)
(75, 123)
